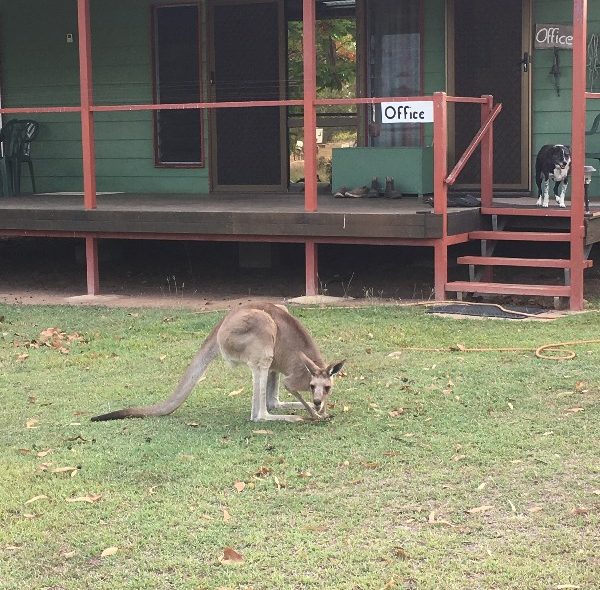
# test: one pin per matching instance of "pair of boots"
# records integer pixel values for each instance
(389, 192)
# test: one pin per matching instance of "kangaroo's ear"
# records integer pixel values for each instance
(335, 368)
(310, 365)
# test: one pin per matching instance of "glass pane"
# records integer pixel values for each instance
(394, 65)
(177, 78)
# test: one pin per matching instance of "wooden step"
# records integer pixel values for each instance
(530, 262)
(509, 289)
(530, 236)
(527, 212)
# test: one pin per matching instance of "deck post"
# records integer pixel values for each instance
(487, 170)
(87, 95)
(91, 262)
(309, 52)
(487, 154)
(440, 191)
(578, 152)
(312, 267)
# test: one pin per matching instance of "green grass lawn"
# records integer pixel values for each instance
(440, 470)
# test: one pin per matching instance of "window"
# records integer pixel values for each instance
(177, 133)
(395, 63)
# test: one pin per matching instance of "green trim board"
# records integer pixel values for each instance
(411, 167)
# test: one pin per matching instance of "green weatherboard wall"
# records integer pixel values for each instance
(39, 68)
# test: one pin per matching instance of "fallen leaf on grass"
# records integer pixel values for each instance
(89, 499)
(263, 471)
(68, 554)
(431, 519)
(401, 553)
(43, 453)
(396, 413)
(193, 424)
(369, 465)
(304, 474)
(596, 492)
(226, 515)
(235, 392)
(109, 551)
(23, 357)
(480, 509)
(262, 432)
(575, 410)
(534, 509)
(30, 516)
(231, 557)
(580, 511)
(240, 486)
(70, 470)
(389, 585)
(32, 423)
(567, 587)
(35, 499)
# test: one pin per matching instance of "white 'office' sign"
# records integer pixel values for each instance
(417, 111)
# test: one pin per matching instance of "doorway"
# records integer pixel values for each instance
(247, 64)
(489, 53)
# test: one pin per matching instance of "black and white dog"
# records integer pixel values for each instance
(553, 162)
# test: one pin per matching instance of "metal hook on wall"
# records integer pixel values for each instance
(555, 70)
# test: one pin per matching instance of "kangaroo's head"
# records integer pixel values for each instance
(321, 381)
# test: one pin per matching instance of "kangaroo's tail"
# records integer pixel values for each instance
(207, 353)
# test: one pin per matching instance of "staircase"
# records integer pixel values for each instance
(518, 225)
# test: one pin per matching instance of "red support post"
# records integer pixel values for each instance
(578, 152)
(440, 190)
(487, 154)
(312, 267)
(309, 51)
(91, 259)
(87, 95)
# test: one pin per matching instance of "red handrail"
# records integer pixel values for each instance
(451, 179)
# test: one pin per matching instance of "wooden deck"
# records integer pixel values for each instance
(280, 217)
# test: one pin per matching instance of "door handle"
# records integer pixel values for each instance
(211, 79)
(524, 63)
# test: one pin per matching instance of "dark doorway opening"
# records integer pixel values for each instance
(488, 47)
(247, 66)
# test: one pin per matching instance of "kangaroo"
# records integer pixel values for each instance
(272, 342)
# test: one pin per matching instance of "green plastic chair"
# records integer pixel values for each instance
(16, 137)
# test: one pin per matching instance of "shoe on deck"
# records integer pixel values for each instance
(358, 192)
